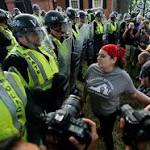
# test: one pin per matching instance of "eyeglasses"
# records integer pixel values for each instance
(102, 55)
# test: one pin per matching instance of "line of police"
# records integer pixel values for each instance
(41, 64)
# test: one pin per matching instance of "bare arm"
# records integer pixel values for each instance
(140, 97)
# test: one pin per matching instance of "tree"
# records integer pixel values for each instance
(139, 6)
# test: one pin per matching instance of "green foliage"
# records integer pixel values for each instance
(139, 6)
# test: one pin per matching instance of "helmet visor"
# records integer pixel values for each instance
(38, 36)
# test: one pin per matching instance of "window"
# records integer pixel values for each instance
(97, 3)
(74, 3)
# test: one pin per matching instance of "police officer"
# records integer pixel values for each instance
(76, 47)
(37, 12)
(90, 15)
(110, 29)
(7, 40)
(57, 27)
(37, 68)
(98, 29)
(83, 38)
(12, 106)
(73, 19)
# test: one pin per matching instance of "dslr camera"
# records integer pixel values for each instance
(66, 122)
(137, 125)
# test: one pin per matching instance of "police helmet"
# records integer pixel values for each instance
(82, 14)
(145, 71)
(35, 7)
(54, 18)
(99, 14)
(24, 23)
(71, 13)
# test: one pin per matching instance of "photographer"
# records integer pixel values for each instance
(15, 143)
(135, 125)
(130, 37)
(66, 123)
(145, 79)
(140, 145)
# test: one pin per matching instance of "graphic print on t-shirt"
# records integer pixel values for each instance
(101, 87)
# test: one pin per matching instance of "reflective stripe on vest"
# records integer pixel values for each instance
(19, 92)
(99, 28)
(32, 69)
(6, 122)
(41, 70)
(15, 105)
(10, 36)
(76, 33)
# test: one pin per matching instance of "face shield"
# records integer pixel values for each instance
(38, 37)
(62, 29)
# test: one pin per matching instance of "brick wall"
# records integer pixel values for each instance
(109, 8)
(48, 5)
(44, 4)
(10, 5)
(61, 3)
(85, 4)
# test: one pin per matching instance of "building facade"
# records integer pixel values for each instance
(25, 5)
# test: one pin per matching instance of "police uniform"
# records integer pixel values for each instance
(111, 28)
(98, 37)
(39, 72)
(7, 40)
(12, 105)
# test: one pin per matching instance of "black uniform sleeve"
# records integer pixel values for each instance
(33, 111)
(95, 25)
(19, 63)
(4, 42)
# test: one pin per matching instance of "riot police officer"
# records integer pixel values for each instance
(7, 40)
(57, 27)
(111, 29)
(37, 68)
(13, 102)
(98, 28)
(37, 12)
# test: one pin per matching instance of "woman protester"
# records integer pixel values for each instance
(106, 81)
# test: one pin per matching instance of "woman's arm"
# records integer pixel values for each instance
(140, 97)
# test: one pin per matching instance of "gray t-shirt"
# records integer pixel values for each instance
(104, 89)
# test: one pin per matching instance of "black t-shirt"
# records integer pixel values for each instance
(129, 39)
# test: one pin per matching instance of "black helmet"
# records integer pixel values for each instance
(35, 7)
(3, 15)
(71, 13)
(82, 14)
(145, 71)
(54, 18)
(24, 23)
(99, 14)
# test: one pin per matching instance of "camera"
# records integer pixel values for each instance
(66, 122)
(137, 125)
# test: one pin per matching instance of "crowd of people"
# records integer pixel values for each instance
(42, 56)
